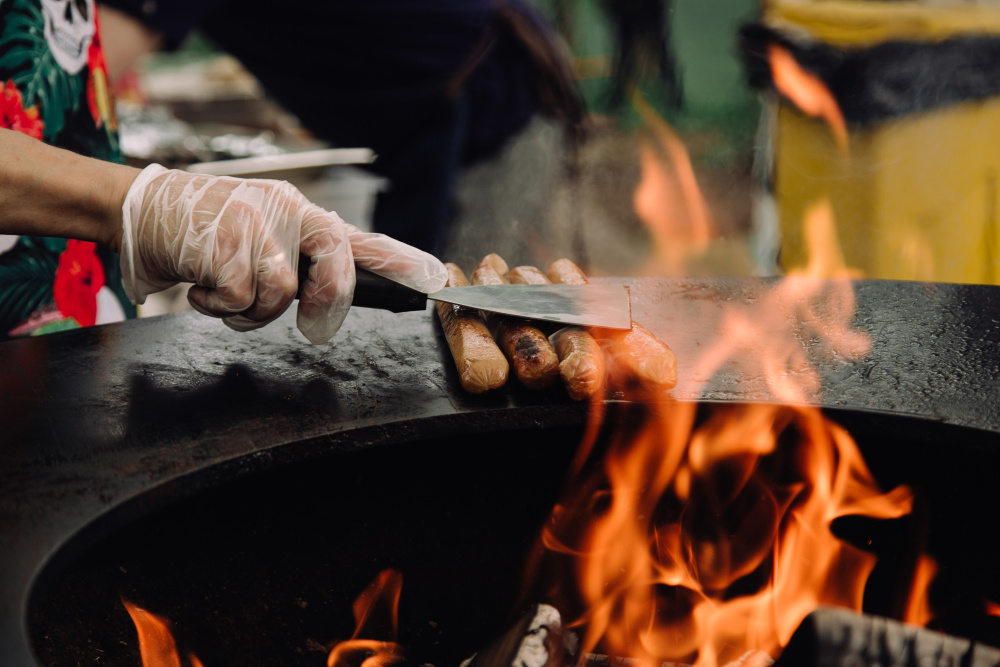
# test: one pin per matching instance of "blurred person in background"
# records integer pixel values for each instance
(67, 208)
(432, 86)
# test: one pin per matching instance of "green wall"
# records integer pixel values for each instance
(704, 38)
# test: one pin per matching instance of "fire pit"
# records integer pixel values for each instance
(263, 570)
(108, 425)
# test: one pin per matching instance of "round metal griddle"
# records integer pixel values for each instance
(103, 426)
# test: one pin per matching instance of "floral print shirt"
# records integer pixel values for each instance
(53, 87)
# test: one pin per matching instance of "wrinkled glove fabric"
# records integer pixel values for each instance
(239, 241)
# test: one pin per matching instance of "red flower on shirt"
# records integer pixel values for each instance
(98, 94)
(13, 114)
(79, 277)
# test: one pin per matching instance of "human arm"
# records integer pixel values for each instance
(238, 240)
(47, 191)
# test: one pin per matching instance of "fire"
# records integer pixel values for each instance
(376, 611)
(704, 540)
(157, 647)
(807, 91)
(699, 542)
(668, 199)
(918, 609)
(765, 337)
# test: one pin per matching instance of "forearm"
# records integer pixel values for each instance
(46, 191)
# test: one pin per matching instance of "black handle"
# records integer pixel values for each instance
(374, 291)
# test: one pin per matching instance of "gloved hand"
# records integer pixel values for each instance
(239, 241)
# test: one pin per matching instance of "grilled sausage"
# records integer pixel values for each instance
(565, 272)
(526, 347)
(636, 353)
(581, 362)
(526, 275)
(480, 363)
(491, 270)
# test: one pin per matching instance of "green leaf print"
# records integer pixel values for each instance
(25, 58)
(27, 273)
(55, 327)
(54, 245)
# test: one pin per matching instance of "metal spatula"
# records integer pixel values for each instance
(589, 305)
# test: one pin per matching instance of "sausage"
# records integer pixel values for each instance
(496, 262)
(635, 353)
(638, 353)
(480, 363)
(534, 360)
(526, 275)
(491, 270)
(581, 362)
(565, 272)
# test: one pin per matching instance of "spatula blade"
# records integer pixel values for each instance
(588, 305)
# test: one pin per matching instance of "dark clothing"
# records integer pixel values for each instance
(430, 85)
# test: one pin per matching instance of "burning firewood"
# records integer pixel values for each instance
(748, 659)
(528, 349)
(537, 640)
(481, 365)
(832, 636)
(632, 354)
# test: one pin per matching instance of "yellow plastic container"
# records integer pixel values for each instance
(914, 198)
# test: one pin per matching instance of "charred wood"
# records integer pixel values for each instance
(537, 640)
(834, 637)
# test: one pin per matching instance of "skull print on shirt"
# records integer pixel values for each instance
(69, 29)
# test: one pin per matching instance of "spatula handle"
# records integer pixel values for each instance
(374, 291)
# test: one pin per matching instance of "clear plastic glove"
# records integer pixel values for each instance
(239, 241)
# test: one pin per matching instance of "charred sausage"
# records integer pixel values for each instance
(526, 347)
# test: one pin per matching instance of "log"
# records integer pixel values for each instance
(537, 640)
(831, 637)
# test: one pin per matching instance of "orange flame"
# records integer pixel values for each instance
(668, 199)
(701, 542)
(765, 337)
(918, 610)
(677, 521)
(157, 647)
(807, 91)
(376, 610)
